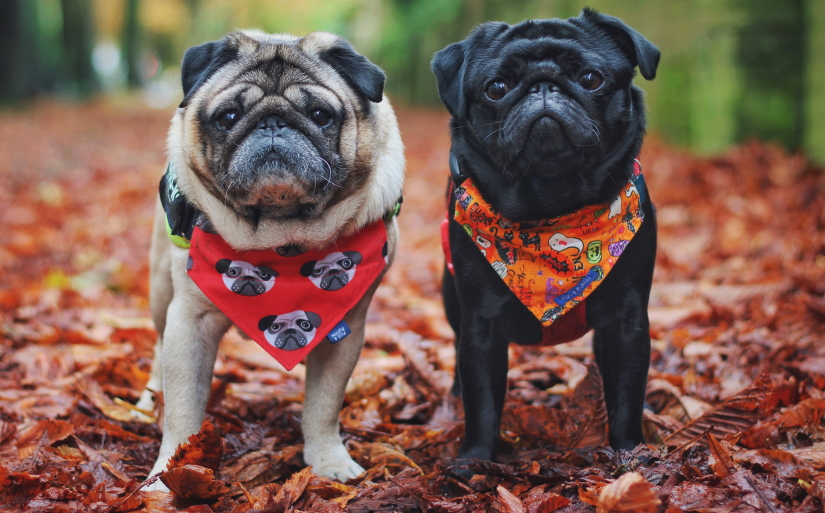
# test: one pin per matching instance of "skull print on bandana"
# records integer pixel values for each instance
(287, 301)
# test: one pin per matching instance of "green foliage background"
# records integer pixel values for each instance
(730, 70)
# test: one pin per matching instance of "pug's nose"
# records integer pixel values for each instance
(272, 122)
(544, 88)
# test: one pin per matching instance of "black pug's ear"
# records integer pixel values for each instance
(313, 319)
(223, 265)
(642, 53)
(266, 322)
(449, 66)
(201, 62)
(272, 272)
(307, 268)
(365, 77)
(354, 256)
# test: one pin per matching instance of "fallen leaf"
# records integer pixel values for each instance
(193, 482)
(631, 493)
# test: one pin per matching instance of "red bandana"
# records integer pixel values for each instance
(285, 301)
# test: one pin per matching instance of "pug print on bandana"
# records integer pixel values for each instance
(552, 265)
(287, 301)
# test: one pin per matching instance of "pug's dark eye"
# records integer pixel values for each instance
(227, 119)
(591, 80)
(233, 272)
(305, 325)
(319, 271)
(320, 117)
(345, 263)
(263, 275)
(275, 328)
(497, 90)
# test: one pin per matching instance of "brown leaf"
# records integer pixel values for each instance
(807, 413)
(291, 490)
(720, 460)
(813, 456)
(193, 482)
(30, 439)
(732, 416)
(631, 493)
(586, 424)
(781, 463)
(510, 502)
(205, 448)
(545, 503)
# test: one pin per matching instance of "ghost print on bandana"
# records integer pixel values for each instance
(552, 265)
(287, 301)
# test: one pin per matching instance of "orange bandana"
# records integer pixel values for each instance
(553, 264)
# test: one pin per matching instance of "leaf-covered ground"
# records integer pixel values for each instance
(736, 382)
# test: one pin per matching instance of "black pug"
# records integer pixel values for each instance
(546, 121)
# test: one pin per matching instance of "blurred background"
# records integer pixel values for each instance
(731, 70)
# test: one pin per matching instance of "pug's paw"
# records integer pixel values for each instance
(333, 462)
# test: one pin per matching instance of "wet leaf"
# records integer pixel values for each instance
(631, 492)
(193, 482)
(204, 448)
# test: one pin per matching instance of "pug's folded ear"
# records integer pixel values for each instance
(354, 256)
(313, 319)
(222, 265)
(449, 66)
(266, 322)
(642, 52)
(201, 62)
(365, 77)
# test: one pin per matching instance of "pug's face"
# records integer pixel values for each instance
(244, 278)
(546, 96)
(290, 331)
(334, 271)
(272, 123)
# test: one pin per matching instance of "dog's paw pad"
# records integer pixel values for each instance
(333, 463)
(342, 471)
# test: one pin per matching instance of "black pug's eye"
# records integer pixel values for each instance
(319, 271)
(345, 263)
(305, 325)
(227, 119)
(320, 117)
(591, 80)
(233, 272)
(275, 328)
(497, 90)
(263, 275)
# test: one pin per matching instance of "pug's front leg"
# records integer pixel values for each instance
(190, 345)
(482, 361)
(329, 367)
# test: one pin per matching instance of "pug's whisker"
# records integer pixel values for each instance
(329, 180)
(491, 133)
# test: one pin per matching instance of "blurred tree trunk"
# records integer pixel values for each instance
(815, 81)
(78, 42)
(19, 55)
(131, 43)
(771, 56)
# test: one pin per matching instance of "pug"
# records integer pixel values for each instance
(283, 144)
(334, 271)
(290, 331)
(244, 278)
(546, 126)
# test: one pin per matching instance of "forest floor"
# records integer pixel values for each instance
(737, 378)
